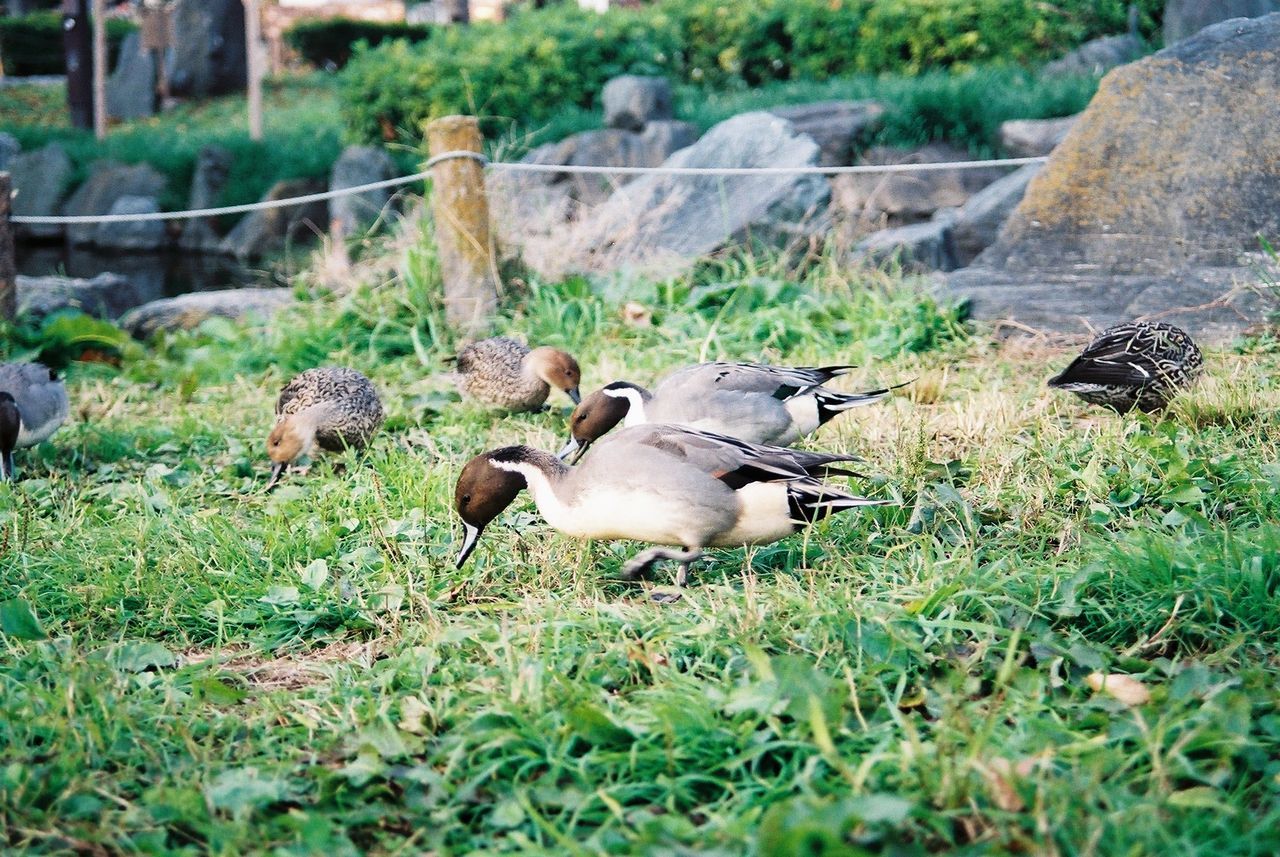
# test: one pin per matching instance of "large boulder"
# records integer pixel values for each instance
(212, 167)
(359, 165)
(836, 126)
(104, 296)
(921, 246)
(39, 180)
(131, 88)
(209, 56)
(1032, 138)
(1097, 56)
(1184, 18)
(632, 101)
(1155, 198)
(135, 234)
(108, 182)
(9, 149)
(269, 229)
(187, 311)
(976, 225)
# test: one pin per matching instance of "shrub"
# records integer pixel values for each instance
(328, 43)
(32, 44)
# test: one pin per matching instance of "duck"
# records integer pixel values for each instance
(772, 405)
(335, 407)
(33, 404)
(679, 489)
(1138, 364)
(503, 373)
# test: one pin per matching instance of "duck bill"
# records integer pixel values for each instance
(470, 538)
(277, 471)
(575, 395)
(569, 449)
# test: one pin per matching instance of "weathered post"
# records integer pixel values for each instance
(77, 46)
(461, 213)
(8, 272)
(253, 54)
(100, 69)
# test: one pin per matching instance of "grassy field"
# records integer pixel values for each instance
(192, 666)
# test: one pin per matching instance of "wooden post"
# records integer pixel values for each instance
(8, 273)
(100, 69)
(461, 213)
(77, 47)
(253, 53)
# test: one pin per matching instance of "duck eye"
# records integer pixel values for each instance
(466, 498)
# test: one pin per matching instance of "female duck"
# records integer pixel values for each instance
(33, 403)
(1141, 364)
(661, 484)
(503, 373)
(331, 406)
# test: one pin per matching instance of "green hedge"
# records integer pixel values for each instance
(328, 43)
(544, 60)
(32, 44)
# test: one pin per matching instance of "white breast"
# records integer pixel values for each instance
(610, 512)
(764, 516)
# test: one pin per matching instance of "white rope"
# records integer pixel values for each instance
(526, 168)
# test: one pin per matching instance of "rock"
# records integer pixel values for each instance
(108, 182)
(209, 58)
(186, 312)
(1183, 18)
(104, 296)
(1154, 198)
(131, 88)
(212, 166)
(1031, 138)
(927, 246)
(267, 230)
(356, 166)
(977, 223)
(837, 126)
(139, 235)
(39, 180)
(9, 149)
(661, 225)
(632, 101)
(1097, 57)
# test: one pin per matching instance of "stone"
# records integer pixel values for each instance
(131, 88)
(39, 180)
(836, 126)
(359, 165)
(660, 225)
(186, 312)
(270, 229)
(108, 182)
(1183, 18)
(139, 235)
(920, 246)
(631, 101)
(1155, 199)
(1097, 57)
(105, 296)
(208, 56)
(213, 164)
(1032, 138)
(9, 149)
(977, 223)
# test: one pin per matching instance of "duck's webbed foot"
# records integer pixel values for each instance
(642, 563)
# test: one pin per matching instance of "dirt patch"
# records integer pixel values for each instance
(285, 672)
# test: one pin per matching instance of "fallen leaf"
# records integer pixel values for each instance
(999, 774)
(636, 314)
(1125, 688)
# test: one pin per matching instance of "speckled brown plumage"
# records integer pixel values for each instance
(498, 373)
(352, 412)
(1140, 364)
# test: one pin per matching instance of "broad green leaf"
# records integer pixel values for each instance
(138, 655)
(17, 620)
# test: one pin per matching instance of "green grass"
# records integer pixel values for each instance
(230, 672)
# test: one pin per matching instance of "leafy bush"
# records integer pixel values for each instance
(32, 44)
(328, 43)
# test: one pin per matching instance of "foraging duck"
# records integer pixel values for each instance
(330, 406)
(1140, 364)
(503, 373)
(33, 403)
(661, 484)
(774, 405)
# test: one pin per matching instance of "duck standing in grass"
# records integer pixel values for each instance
(33, 403)
(1140, 364)
(775, 405)
(331, 406)
(506, 374)
(661, 484)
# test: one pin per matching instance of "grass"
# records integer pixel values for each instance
(216, 670)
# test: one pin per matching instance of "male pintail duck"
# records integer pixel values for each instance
(503, 373)
(33, 403)
(774, 405)
(661, 484)
(331, 406)
(1141, 364)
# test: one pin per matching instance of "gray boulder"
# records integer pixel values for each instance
(837, 126)
(632, 101)
(267, 230)
(209, 56)
(212, 166)
(108, 182)
(359, 165)
(977, 223)
(1031, 138)
(39, 180)
(132, 235)
(920, 246)
(131, 88)
(186, 312)
(1097, 57)
(1156, 197)
(9, 149)
(104, 296)
(1183, 18)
